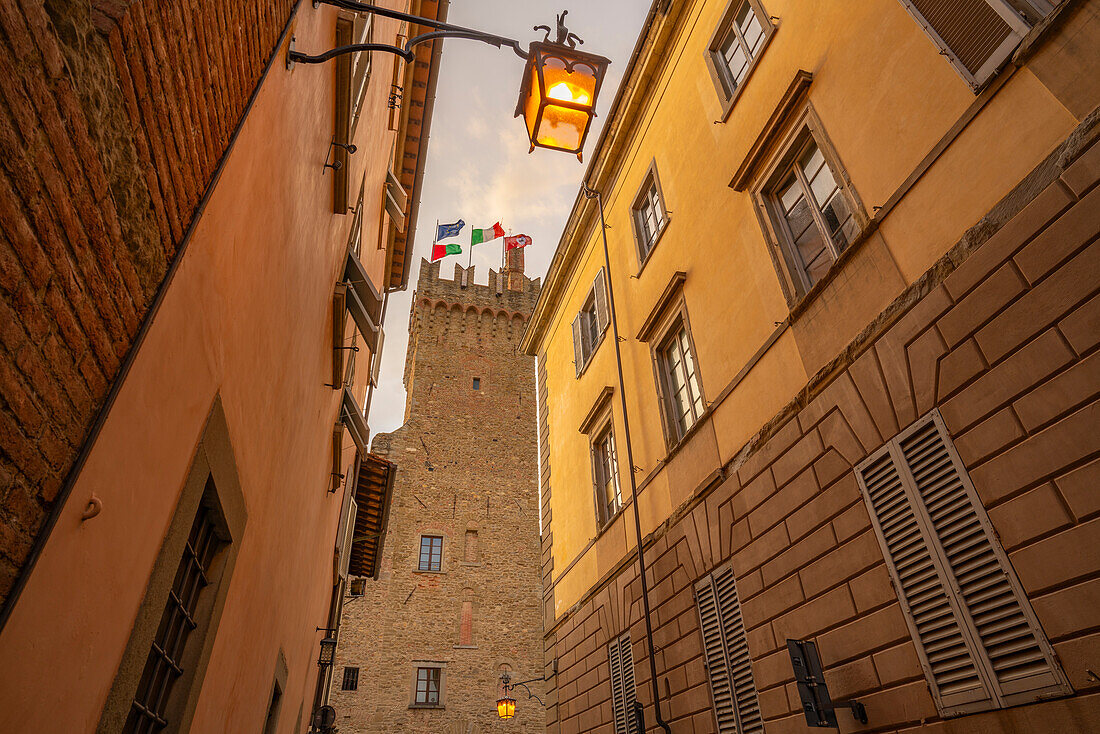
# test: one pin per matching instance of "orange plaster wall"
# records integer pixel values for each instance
(247, 316)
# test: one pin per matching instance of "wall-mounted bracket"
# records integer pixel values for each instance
(819, 708)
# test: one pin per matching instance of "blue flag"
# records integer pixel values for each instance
(444, 231)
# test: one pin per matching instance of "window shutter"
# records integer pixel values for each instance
(578, 342)
(376, 357)
(347, 533)
(364, 302)
(726, 648)
(396, 199)
(978, 639)
(976, 35)
(621, 661)
(599, 291)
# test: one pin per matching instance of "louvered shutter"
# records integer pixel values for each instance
(726, 648)
(978, 639)
(599, 293)
(578, 342)
(621, 661)
(976, 35)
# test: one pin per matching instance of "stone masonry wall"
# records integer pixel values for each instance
(113, 117)
(467, 465)
(1001, 337)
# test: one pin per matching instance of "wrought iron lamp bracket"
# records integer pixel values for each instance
(508, 687)
(442, 30)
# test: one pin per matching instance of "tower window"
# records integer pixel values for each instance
(477, 383)
(431, 553)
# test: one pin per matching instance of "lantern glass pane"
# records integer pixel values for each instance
(534, 99)
(562, 127)
(577, 85)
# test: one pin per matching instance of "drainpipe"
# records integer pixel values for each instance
(594, 194)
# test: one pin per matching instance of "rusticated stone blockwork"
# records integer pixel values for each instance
(467, 473)
(1001, 338)
(113, 117)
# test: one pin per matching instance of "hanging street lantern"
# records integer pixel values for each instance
(506, 704)
(506, 707)
(558, 90)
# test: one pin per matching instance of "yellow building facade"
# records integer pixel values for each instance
(789, 189)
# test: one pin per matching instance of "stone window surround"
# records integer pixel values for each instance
(278, 685)
(214, 459)
(415, 666)
(643, 250)
(802, 124)
(670, 312)
(713, 58)
(444, 557)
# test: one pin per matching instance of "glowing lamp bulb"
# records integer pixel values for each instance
(568, 93)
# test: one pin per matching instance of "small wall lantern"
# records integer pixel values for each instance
(328, 649)
(558, 93)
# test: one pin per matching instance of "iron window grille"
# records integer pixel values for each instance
(164, 664)
(431, 553)
(351, 679)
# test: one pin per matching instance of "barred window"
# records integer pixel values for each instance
(163, 666)
(351, 679)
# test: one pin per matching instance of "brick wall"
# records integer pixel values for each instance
(113, 117)
(1001, 337)
(466, 462)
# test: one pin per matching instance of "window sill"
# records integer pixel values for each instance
(656, 241)
(465, 647)
(802, 304)
(424, 570)
(435, 706)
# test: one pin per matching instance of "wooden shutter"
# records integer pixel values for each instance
(599, 293)
(621, 660)
(347, 532)
(726, 650)
(578, 342)
(976, 35)
(978, 639)
(396, 199)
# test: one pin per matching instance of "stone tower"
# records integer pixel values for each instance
(458, 598)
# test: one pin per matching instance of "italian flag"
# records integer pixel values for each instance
(441, 251)
(478, 236)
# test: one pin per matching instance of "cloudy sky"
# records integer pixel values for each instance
(478, 168)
